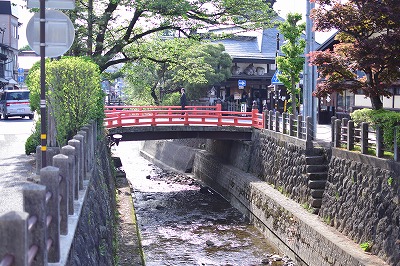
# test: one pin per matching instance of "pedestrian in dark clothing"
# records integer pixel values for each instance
(183, 100)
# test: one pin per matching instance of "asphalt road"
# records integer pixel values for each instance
(15, 166)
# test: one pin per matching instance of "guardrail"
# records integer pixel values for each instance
(345, 134)
(30, 228)
(125, 116)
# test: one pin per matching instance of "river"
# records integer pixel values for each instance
(182, 222)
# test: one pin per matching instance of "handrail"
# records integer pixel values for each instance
(173, 115)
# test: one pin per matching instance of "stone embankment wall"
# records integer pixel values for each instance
(93, 242)
(268, 180)
(362, 201)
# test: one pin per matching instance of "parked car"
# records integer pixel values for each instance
(15, 103)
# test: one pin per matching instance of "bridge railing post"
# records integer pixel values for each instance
(81, 156)
(77, 148)
(270, 120)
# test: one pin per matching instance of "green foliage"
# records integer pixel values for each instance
(73, 94)
(33, 140)
(292, 63)
(105, 29)
(171, 65)
(390, 181)
(368, 42)
(387, 120)
(366, 246)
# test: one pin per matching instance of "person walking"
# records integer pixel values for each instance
(183, 100)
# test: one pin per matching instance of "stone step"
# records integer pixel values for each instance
(316, 168)
(316, 184)
(316, 203)
(315, 160)
(317, 193)
(317, 176)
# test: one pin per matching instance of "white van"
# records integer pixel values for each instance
(15, 103)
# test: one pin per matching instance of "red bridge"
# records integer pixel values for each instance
(129, 116)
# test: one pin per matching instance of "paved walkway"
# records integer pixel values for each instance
(323, 133)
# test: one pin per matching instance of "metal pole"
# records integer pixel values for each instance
(43, 121)
(309, 104)
(276, 66)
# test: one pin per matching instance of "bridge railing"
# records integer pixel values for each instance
(33, 223)
(125, 116)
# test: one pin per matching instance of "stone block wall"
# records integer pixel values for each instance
(93, 239)
(362, 201)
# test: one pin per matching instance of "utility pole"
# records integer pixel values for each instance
(310, 74)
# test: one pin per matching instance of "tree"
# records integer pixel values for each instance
(74, 95)
(292, 63)
(369, 36)
(105, 29)
(168, 65)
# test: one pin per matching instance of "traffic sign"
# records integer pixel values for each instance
(241, 83)
(60, 33)
(21, 79)
(275, 79)
(20, 71)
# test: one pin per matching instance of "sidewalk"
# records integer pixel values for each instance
(323, 133)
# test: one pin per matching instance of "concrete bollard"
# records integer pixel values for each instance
(85, 152)
(61, 161)
(50, 177)
(80, 158)
(13, 234)
(69, 151)
(35, 204)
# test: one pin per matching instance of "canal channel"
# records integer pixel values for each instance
(182, 222)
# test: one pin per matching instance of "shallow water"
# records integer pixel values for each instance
(184, 223)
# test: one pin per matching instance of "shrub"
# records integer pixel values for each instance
(387, 120)
(33, 140)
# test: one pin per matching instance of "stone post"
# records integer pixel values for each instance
(284, 124)
(277, 114)
(270, 126)
(338, 131)
(78, 178)
(89, 147)
(35, 204)
(299, 126)
(265, 116)
(379, 142)
(333, 119)
(13, 232)
(62, 163)
(85, 153)
(395, 144)
(50, 177)
(291, 126)
(364, 138)
(350, 135)
(50, 152)
(69, 151)
(309, 128)
(81, 157)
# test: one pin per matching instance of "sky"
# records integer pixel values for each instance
(283, 7)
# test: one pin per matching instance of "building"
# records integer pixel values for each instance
(8, 45)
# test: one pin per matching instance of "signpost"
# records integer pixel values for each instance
(42, 51)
